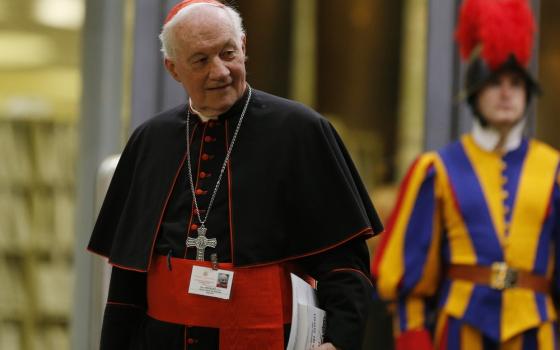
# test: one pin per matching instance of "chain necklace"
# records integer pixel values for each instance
(202, 229)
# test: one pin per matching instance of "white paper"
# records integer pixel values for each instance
(308, 320)
(316, 325)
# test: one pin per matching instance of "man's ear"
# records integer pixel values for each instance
(244, 44)
(170, 66)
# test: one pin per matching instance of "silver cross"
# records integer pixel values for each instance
(201, 243)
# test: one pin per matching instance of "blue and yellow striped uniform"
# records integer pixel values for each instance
(464, 205)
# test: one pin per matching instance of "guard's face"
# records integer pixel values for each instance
(502, 101)
(210, 60)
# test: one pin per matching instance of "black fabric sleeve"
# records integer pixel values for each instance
(344, 291)
(125, 309)
(115, 200)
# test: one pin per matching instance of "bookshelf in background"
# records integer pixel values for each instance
(37, 197)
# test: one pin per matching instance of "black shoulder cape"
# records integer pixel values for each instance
(295, 191)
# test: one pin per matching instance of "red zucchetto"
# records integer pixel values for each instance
(186, 3)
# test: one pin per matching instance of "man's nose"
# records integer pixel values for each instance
(218, 69)
(506, 89)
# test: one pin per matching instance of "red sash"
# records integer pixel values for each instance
(254, 316)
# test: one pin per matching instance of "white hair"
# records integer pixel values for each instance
(167, 35)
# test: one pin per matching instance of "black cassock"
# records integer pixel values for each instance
(289, 193)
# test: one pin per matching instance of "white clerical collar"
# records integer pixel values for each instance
(202, 117)
(488, 138)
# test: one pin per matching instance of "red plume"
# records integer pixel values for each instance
(503, 27)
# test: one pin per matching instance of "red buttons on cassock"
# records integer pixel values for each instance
(194, 227)
(205, 156)
(202, 175)
(198, 192)
(208, 139)
(191, 341)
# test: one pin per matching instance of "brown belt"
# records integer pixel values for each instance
(499, 276)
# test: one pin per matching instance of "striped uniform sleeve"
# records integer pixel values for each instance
(555, 210)
(407, 263)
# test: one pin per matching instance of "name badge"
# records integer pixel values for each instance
(211, 283)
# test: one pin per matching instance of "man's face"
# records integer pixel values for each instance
(502, 101)
(222, 280)
(209, 60)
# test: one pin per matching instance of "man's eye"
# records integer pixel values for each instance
(229, 54)
(517, 82)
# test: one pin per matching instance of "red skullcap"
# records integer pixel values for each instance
(186, 3)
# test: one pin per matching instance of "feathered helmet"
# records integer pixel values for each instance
(495, 36)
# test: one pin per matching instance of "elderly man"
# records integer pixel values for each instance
(236, 182)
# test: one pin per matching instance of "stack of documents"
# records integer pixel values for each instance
(308, 320)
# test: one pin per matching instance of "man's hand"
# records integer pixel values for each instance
(326, 346)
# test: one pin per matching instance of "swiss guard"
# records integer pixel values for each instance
(470, 258)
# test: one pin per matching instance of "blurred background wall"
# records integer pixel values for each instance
(77, 75)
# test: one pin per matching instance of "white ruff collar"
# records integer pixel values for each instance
(487, 138)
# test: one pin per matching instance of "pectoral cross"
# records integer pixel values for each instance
(201, 243)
